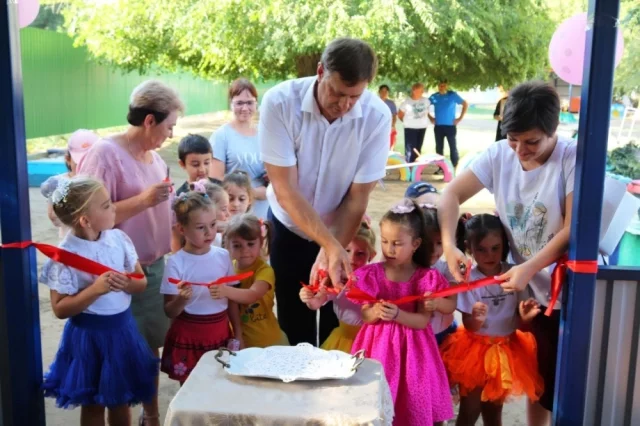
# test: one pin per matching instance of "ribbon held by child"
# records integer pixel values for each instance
(219, 281)
(89, 266)
(318, 284)
(70, 259)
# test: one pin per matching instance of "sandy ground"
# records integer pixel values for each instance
(474, 135)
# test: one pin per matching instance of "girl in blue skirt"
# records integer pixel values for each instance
(102, 361)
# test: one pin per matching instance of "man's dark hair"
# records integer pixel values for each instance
(353, 59)
(193, 144)
(531, 105)
(443, 81)
(384, 86)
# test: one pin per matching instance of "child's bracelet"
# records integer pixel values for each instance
(396, 315)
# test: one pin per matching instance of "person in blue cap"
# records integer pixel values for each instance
(422, 193)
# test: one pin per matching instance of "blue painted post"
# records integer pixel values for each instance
(21, 401)
(593, 134)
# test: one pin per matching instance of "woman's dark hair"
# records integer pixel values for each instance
(531, 105)
(136, 116)
(353, 59)
(472, 230)
(239, 86)
(415, 221)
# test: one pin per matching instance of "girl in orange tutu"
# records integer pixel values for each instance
(489, 358)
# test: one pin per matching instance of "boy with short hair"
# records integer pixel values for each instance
(195, 154)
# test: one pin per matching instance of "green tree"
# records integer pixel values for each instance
(471, 42)
(627, 77)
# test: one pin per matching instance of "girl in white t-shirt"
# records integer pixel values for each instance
(361, 250)
(102, 361)
(200, 323)
(489, 358)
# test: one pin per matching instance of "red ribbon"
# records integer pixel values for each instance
(219, 281)
(316, 286)
(358, 296)
(560, 272)
(72, 260)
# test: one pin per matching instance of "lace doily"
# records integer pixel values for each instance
(301, 362)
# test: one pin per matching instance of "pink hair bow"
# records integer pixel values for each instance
(199, 187)
(403, 207)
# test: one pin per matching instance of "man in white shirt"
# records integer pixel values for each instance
(324, 141)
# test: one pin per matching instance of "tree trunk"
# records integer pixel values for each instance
(307, 65)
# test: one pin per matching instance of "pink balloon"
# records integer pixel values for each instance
(27, 12)
(566, 50)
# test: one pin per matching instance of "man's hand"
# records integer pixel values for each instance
(335, 261)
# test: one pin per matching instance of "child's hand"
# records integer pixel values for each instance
(388, 311)
(529, 309)
(119, 282)
(479, 312)
(306, 295)
(184, 291)
(103, 284)
(218, 291)
(430, 304)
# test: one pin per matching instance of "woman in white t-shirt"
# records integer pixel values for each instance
(531, 175)
(414, 114)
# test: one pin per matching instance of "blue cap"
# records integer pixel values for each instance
(417, 189)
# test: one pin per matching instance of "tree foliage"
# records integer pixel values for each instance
(627, 76)
(471, 42)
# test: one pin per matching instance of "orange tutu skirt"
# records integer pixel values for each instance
(500, 366)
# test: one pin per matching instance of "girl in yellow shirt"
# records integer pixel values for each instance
(247, 238)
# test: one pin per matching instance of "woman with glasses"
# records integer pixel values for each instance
(235, 145)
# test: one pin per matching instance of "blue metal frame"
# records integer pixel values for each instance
(593, 134)
(21, 400)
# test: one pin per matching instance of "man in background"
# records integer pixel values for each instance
(444, 103)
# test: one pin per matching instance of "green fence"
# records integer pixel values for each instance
(65, 90)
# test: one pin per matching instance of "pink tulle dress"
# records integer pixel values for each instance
(410, 357)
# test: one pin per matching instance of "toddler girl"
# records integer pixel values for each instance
(247, 238)
(220, 200)
(488, 357)
(238, 186)
(399, 336)
(102, 361)
(361, 250)
(200, 322)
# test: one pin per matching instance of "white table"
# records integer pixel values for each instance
(211, 397)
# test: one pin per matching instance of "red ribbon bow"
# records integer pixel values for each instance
(560, 272)
(219, 281)
(358, 296)
(72, 260)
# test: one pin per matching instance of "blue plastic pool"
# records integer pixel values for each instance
(41, 170)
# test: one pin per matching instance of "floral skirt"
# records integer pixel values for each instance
(190, 337)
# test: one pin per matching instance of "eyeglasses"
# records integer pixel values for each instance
(240, 104)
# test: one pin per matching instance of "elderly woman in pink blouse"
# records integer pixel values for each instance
(135, 175)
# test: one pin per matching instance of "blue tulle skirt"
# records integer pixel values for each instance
(102, 360)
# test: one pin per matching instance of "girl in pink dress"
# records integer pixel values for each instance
(395, 335)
